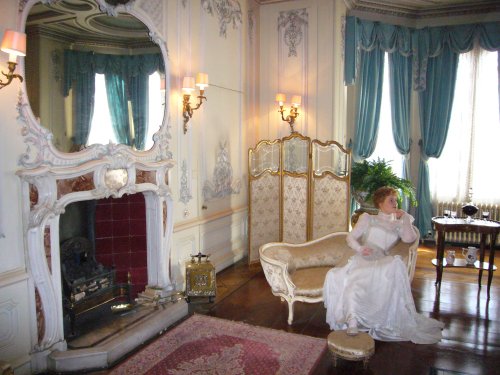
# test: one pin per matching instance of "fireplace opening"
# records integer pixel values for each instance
(103, 258)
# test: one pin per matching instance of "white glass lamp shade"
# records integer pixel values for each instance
(281, 98)
(188, 84)
(296, 100)
(14, 43)
(202, 80)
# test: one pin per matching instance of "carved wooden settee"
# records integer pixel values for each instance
(296, 272)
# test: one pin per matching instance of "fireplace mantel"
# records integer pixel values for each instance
(46, 191)
(51, 180)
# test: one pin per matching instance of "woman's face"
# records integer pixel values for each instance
(389, 205)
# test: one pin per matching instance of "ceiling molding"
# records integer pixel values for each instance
(418, 9)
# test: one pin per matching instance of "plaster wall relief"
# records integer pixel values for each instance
(9, 321)
(154, 8)
(293, 59)
(228, 12)
(222, 183)
(251, 25)
(185, 190)
(292, 24)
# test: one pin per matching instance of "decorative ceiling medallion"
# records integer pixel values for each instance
(227, 12)
(292, 22)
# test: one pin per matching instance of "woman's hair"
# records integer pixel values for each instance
(381, 193)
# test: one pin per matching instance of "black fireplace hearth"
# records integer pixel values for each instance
(87, 284)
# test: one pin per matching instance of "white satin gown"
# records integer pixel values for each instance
(375, 289)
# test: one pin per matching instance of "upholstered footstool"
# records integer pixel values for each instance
(353, 348)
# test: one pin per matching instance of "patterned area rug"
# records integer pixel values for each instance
(207, 345)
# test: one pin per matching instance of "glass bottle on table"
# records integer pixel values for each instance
(446, 214)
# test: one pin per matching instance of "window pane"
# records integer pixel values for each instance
(486, 180)
(155, 107)
(385, 147)
(100, 129)
(472, 136)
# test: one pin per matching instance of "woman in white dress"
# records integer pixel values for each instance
(372, 292)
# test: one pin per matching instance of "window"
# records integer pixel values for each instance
(473, 136)
(101, 130)
(386, 147)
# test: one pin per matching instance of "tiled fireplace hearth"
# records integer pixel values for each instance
(120, 238)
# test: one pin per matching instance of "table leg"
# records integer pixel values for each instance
(482, 247)
(493, 239)
(439, 257)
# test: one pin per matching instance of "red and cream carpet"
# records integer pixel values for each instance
(208, 345)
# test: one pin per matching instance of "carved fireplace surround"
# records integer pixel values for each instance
(51, 180)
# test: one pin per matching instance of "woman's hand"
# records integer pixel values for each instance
(400, 213)
(366, 251)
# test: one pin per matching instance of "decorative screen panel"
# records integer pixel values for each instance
(266, 156)
(330, 157)
(330, 188)
(330, 206)
(295, 211)
(264, 225)
(298, 191)
(296, 154)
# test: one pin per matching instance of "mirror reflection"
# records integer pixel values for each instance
(93, 78)
(329, 157)
(295, 155)
(266, 156)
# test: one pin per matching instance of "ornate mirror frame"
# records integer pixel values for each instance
(40, 150)
(51, 180)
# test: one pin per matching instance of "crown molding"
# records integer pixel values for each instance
(420, 9)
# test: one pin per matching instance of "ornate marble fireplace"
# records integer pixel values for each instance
(52, 179)
(46, 193)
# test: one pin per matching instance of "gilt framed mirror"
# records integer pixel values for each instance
(96, 82)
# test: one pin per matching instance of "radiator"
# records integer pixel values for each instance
(467, 238)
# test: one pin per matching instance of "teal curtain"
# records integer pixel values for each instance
(400, 68)
(362, 35)
(422, 44)
(118, 107)
(435, 112)
(139, 97)
(127, 78)
(428, 48)
(369, 100)
(431, 41)
(140, 67)
(79, 76)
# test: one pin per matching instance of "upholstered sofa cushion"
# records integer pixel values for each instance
(330, 252)
(309, 281)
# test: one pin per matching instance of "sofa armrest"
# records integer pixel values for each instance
(277, 270)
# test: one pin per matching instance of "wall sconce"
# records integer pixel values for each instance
(14, 43)
(294, 112)
(188, 86)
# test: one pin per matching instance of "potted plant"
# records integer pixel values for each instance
(368, 176)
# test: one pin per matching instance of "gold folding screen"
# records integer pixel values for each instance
(298, 191)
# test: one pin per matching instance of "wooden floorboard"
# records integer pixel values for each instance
(471, 338)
